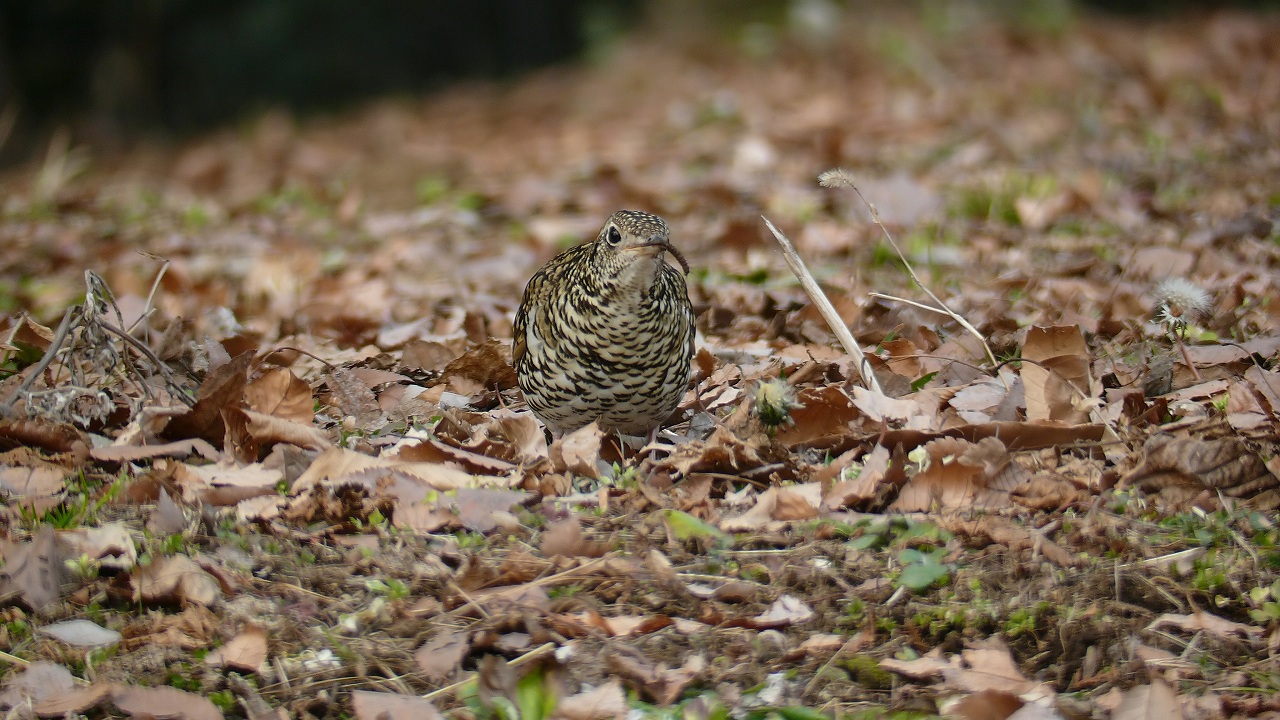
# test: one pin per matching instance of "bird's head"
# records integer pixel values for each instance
(631, 246)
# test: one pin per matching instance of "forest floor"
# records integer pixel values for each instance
(305, 485)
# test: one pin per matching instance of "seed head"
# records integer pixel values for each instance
(1180, 300)
(775, 400)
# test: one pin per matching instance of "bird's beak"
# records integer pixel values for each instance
(655, 243)
(662, 246)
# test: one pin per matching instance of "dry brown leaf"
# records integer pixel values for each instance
(174, 579)
(883, 409)
(163, 702)
(354, 399)
(860, 489)
(988, 665)
(654, 681)
(178, 448)
(1181, 470)
(192, 629)
(222, 388)
(425, 355)
(986, 705)
(267, 430)
(578, 452)
(481, 368)
(929, 666)
(435, 450)
(565, 538)
(599, 703)
(34, 570)
(77, 700)
(959, 475)
(37, 682)
(167, 518)
(279, 393)
(392, 706)
(824, 412)
(1201, 621)
(1057, 383)
(786, 611)
(246, 652)
(43, 434)
(1156, 701)
(34, 487)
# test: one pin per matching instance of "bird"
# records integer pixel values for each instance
(605, 331)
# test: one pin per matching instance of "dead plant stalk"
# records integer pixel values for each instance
(819, 299)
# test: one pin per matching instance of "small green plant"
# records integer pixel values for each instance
(84, 566)
(392, 589)
(1022, 621)
(181, 679)
(225, 700)
(922, 569)
(469, 540)
(1266, 601)
(431, 189)
(535, 698)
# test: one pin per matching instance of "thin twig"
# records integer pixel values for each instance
(819, 299)
(151, 296)
(58, 338)
(141, 347)
(832, 178)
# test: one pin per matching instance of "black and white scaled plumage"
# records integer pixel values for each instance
(605, 331)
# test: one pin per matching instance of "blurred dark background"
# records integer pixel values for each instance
(118, 68)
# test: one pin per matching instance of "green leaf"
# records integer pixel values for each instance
(685, 526)
(866, 542)
(923, 380)
(920, 576)
(802, 713)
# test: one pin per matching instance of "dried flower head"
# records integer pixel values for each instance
(1179, 300)
(775, 400)
(835, 178)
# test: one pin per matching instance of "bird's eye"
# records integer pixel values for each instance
(613, 236)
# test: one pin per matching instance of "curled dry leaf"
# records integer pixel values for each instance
(1186, 470)
(174, 579)
(786, 611)
(958, 475)
(280, 393)
(168, 517)
(1157, 700)
(43, 434)
(222, 388)
(246, 652)
(578, 452)
(481, 368)
(178, 448)
(1057, 384)
(651, 679)
(778, 505)
(1201, 621)
(267, 430)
